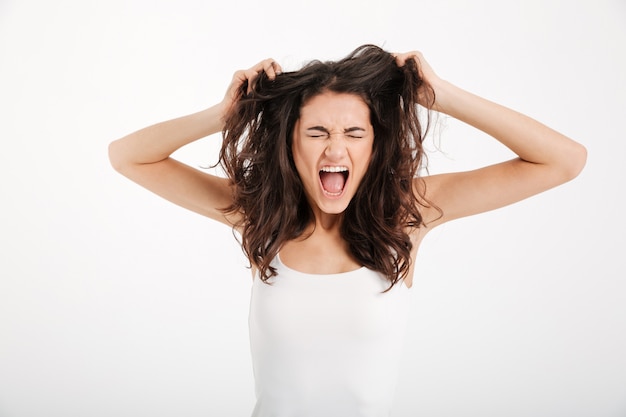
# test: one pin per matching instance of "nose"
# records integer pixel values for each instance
(335, 147)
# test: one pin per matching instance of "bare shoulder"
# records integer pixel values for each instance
(426, 190)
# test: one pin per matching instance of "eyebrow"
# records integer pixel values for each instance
(348, 130)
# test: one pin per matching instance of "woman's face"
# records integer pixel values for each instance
(332, 147)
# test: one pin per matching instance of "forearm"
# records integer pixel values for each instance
(529, 139)
(157, 142)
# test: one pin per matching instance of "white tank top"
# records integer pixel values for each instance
(326, 345)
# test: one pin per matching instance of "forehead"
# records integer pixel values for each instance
(335, 109)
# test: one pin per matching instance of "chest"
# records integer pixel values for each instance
(309, 310)
(318, 256)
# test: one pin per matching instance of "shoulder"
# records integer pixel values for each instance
(426, 191)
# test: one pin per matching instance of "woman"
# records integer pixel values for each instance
(322, 184)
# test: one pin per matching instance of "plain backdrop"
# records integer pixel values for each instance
(114, 302)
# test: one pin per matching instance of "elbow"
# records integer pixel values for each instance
(115, 156)
(576, 161)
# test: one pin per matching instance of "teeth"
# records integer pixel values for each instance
(334, 169)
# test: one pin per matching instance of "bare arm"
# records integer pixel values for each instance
(144, 156)
(546, 158)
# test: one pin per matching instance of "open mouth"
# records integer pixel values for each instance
(334, 179)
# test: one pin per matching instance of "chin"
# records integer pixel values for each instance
(334, 212)
(334, 206)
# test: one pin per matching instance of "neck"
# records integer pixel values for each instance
(327, 222)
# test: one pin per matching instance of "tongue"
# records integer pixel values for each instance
(332, 181)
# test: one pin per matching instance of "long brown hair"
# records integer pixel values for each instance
(256, 155)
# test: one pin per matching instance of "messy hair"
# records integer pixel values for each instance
(267, 190)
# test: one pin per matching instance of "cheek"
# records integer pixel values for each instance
(365, 155)
(299, 159)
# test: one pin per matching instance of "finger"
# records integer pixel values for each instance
(271, 68)
(398, 59)
(401, 58)
(277, 68)
(251, 76)
(239, 77)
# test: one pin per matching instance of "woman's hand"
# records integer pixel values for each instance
(145, 155)
(426, 73)
(546, 158)
(233, 93)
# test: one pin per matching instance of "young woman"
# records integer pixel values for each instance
(323, 186)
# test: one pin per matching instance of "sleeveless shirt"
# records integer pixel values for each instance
(326, 345)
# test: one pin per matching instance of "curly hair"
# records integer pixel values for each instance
(256, 156)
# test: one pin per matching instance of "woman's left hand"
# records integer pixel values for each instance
(425, 72)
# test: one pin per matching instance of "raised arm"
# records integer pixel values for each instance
(546, 158)
(144, 156)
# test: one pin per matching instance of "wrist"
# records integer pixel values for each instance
(443, 93)
(214, 118)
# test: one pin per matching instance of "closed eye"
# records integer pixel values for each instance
(355, 132)
(317, 132)
(322, 132)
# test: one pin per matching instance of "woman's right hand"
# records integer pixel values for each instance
(233, 93)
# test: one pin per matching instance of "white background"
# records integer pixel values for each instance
(114, 302)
